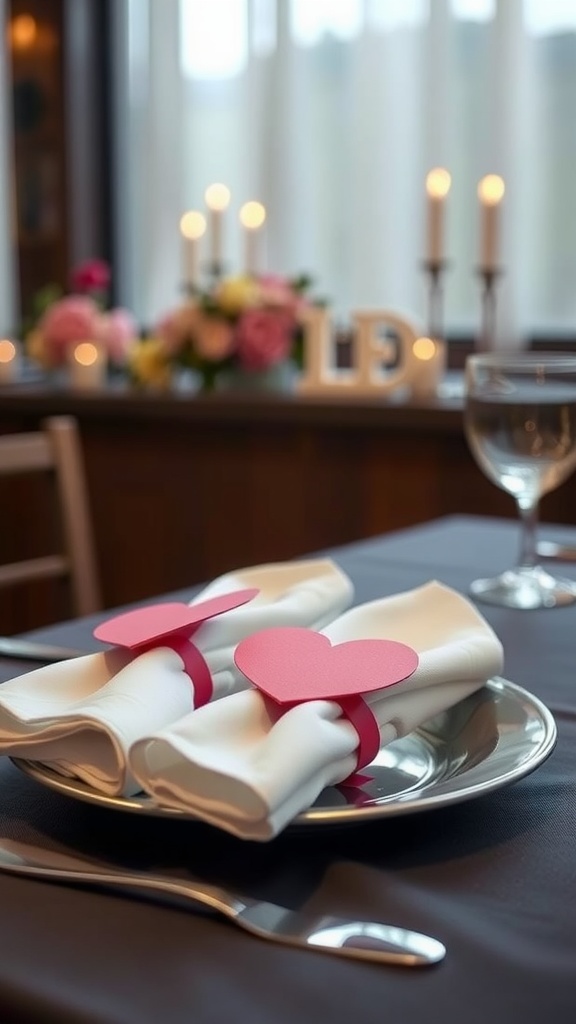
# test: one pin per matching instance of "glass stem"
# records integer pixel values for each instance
(528, 510)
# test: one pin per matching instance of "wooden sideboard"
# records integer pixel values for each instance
(185, 487)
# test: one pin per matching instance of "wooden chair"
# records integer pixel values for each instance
(56, 450)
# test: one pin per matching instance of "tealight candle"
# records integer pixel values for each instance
(192, 227)
(87, 363)
(252, 217)
(9, 361)
(429, 357)
(438, 182)
(217, 198)
(490, 194)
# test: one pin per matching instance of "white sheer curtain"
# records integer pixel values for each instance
(331, 113)
(8, 293)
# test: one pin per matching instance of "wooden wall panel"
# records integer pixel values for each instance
(185, 489)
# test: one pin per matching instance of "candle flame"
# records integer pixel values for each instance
(491, 189)
(252, 215)
(7, 350)
(424, 349)
(23, 31)
(86, 354)
(217, 197)
(438, 182)
(193, 224)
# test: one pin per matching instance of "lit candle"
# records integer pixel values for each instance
(9, 361)
(23, 31)
(490, 194)
(87, 363)
(252, 217)
(192, 227)
(438, 183)
(217, 200)
(429, 359)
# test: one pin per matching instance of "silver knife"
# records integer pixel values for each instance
(558, 552)
(365, 940)
(32, 650)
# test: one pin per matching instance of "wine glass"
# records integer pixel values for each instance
(520, 423)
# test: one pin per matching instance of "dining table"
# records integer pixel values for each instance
(489, 870)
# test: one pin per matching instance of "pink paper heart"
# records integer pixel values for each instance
(291, 664)
(159, 621)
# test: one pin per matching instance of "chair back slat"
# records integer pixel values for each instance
(56, 449)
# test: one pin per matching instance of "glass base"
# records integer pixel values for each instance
(525, 588)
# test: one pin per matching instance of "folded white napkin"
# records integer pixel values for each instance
(236, 766)
(80, 717)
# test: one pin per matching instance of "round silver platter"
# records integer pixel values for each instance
(493, 738)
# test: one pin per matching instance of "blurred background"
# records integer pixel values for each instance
(119, 113)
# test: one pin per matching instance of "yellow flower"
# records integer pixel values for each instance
(235, 294)
(36, 349)
(149, 363)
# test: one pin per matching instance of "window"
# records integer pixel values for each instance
(331, 113)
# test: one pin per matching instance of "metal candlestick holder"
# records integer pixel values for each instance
(215, 270)
(434, 270)
(486, 341)
(191, 291)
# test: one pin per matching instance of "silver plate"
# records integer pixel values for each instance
(496, 736)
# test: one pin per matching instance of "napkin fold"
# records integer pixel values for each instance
(80, 717)
(237, 765)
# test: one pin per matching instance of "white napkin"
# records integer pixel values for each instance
(232, 765)
(81, 716)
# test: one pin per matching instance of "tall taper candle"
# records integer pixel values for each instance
(192, 227)
(217, 198)
(438, 183)
(252, 217)
(490, 194)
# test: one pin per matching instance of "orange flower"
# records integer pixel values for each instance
(178, 327)
(213, 338)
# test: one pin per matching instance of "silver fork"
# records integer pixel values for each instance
(364, 940)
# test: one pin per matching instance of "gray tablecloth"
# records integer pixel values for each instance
(494, 878)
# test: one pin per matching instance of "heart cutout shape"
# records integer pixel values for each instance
(291, 664)
(157, 622)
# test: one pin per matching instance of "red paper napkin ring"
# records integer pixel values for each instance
(361, 716)
(292, 665)
(195, 666)
(171, 624)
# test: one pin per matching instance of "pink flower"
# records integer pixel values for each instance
(91, 276)
(214, 338)
(264, 338)
(277, 292)
(117, 332)
(69, 320)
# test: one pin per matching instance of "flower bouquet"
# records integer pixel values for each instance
(59, 322)
(242, 327)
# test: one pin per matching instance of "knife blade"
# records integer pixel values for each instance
(558, 552)
(32, 650)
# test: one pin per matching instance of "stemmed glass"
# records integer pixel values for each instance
(520, 423)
